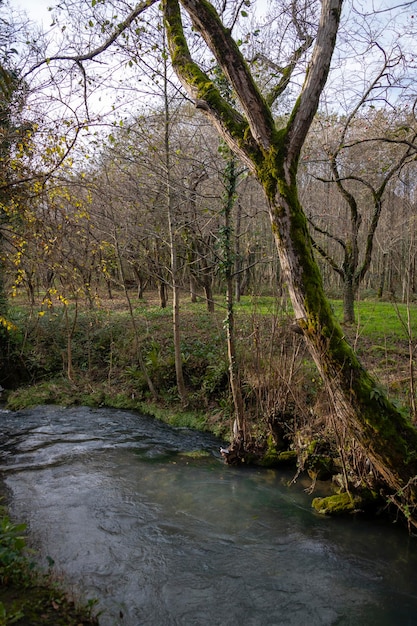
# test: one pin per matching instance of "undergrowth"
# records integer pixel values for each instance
(100, 363)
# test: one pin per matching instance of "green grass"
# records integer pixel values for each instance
(374, 319)
(381, 320)
(105, 360)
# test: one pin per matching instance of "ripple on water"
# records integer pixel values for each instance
(167, 540)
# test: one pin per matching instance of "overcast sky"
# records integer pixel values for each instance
(36, 9)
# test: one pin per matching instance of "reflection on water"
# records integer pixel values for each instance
(162, 539)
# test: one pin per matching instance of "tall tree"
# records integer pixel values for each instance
(272, 154)
(230, 179)
(172, 210)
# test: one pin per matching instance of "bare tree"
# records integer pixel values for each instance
(369, 153)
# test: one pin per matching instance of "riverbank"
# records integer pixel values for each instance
(27, 596)
(97, 365)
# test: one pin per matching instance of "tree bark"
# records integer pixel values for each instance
(238, 260)
(381, 287)
(193, 289)
(387, 438)
(162, 290)
(208, 292)
(230, 176)
(349, 294)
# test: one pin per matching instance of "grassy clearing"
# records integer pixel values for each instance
(384, 335)
(105, 370)
(381, 321)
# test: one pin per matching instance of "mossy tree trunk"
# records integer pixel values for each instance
(272, 154)
(349, 294)
(387, 438)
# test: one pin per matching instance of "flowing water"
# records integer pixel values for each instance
(161, 539)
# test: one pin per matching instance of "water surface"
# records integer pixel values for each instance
(161, 539)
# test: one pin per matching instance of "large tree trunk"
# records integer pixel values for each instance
(386, 436)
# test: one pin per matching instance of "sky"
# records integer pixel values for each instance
(36, 9)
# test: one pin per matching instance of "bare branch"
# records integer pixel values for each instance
(92, 54)
(286, 72)
(230, 59)
(404, 5)
(326, 256)
(317, 73)
(322, 231)
(229, 122)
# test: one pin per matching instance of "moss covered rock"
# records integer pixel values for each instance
(337, 504)
(273, 458)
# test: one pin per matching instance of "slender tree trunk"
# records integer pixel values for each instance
(141, 281)
(70, 326)
(3, 296)
(172, 227)
(238, 428)
(109, 291)
(193, 288)
(238, 260)
(208, 292)
(382, 277)
(348, 301)
(137, 348)
(162, 291)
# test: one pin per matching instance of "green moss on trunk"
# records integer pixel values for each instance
(386, 436)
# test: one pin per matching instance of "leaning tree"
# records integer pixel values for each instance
(271, 150)
(272, 154)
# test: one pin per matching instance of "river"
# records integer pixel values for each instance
(163, 539)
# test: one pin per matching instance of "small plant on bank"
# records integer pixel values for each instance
(14, 566)
(11, 616)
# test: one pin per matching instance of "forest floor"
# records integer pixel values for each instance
(98, 363)
(36, 604)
